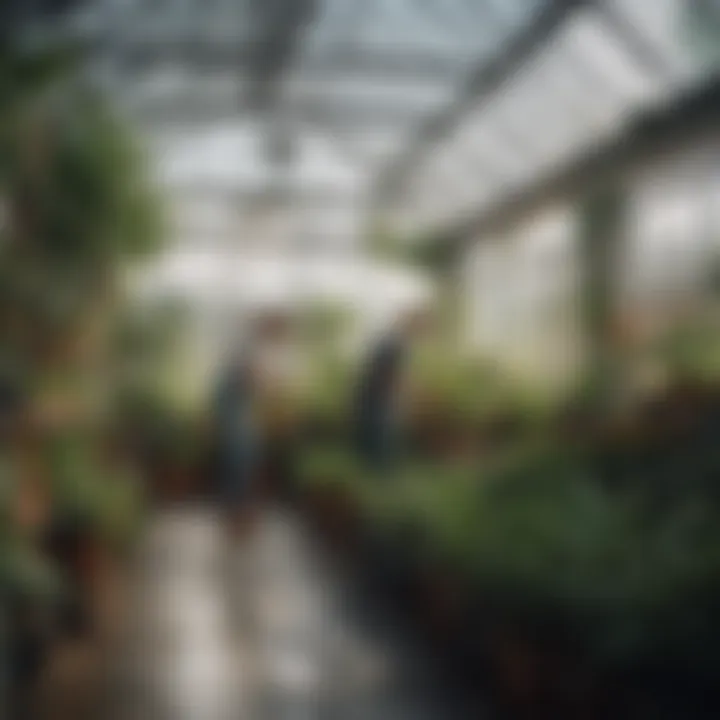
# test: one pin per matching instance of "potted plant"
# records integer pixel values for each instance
(328, 482)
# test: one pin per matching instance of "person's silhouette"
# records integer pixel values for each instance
(377, 411)
(236, 435)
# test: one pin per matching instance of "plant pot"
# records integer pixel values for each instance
(88, 563)
(174, 484)
(32, 507)
(100, 580)
(442, 603)
(384, 567)
(462, 446)
(92, 560)
(26, 651)
(336, 516)
(516, 668)
(539, 680)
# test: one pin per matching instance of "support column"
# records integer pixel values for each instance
(603, 229)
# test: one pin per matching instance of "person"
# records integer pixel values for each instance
(235, 435)
(378, 413)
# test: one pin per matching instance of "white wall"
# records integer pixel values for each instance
(521, 293)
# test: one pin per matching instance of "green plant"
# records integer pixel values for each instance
(464, 395)
(325, 402)
(623, 588)
(323, 467)
(26, 574)
(74, 182)
(77, 207)
(91, 491)
(692, 351)
(583, 558)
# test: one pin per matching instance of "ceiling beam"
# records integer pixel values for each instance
(279, 26)
(307, 193)
(391, 64)
(648, 56)
(188, 112)
(694, 119)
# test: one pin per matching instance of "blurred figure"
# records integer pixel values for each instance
(279, 365)
(378, 417)
(236, 436)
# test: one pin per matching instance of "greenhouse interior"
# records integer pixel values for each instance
(359, 359)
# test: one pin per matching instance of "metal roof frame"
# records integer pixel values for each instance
(480, 86)
(693, 119)
(274, 44)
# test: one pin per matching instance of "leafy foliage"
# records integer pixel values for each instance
(88, 491)
(75, 184)
(550, 548)
(26, 573)
(323, 466)
(468, 394)
(77, 206)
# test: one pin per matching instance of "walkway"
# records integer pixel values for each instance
(264, 634)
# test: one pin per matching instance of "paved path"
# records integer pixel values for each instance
(265, 632)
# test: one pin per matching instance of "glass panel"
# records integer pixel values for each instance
(671, 28)
(610, 59)
(579, 91)
(377, 97)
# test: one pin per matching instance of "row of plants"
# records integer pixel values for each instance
(453, 406)
(77, 213)
(465, 406)
(571, 579)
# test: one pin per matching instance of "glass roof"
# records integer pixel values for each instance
(422, 110)
(361, 74)
(610, 61)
